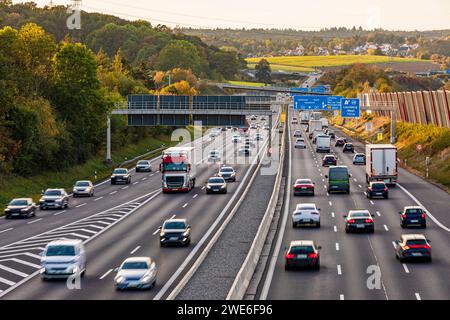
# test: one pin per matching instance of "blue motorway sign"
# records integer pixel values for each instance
(350, 108)
(299, 90)
(334, 102)
(319, 89)
(310, 102)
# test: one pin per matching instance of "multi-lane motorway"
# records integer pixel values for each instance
(348, 260)
(119, 222)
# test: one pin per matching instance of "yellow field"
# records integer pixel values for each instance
(307, 63)
(245, 83)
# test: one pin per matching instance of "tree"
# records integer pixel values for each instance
(226, 63)
(263, 71)
(78, 98)
(179, 54)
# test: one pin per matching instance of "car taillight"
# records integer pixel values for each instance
(312, 255)
(289, 256)
(369, 221)
(404, 216)
(351, 221)
(386, 189)
(423, 216)
(370, 189)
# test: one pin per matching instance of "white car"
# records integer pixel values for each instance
(83, 188)
(306, 214)
(214, 155)
(136, 273)
(294, 121)
(300, 144)
(297, 133)
(63, 258)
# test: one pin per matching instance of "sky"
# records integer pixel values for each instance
(296, 14)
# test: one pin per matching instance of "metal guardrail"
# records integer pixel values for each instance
(245, 274)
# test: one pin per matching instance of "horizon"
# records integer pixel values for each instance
(203, 14)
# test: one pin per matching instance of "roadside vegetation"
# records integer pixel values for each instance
(415, 143)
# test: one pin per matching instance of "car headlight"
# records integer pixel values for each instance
(24, 210)
(208, 186)
(58, 200)
(221, 187)
(146, 279)
(120, 279)
(162, 234)
(6, 210)
(185, 234)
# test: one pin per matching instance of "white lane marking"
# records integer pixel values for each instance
(126, 187)
(99, 198)
(143, 179)
(324, 187)
(156, 231)
(195, 196)
(355, 180)
(330, 203)
(405, 267)
(7, 282)
(14, 271)
(341, 297)
(371, 202)
(203, 188)
(332, 214)
(394, 244)
(365, 193)
(339, 269)
(173, 217)
(135, 249)
(6, 230)
(34, 221)
(106, 274)
(81, 205)
(114, 192)
(337, 246)
(185, 205)
(58, 213)
(418, 296)
(328, 194)
(359, 185)
(152, 175)
(26, 263)
(335, 229)
(427, 212)
(322, 176)
(386, 228)
(378, 213)
(137, 182)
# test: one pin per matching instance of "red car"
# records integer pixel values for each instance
(329, 160)
(303, 187)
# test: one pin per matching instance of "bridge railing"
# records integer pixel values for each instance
(196, 106)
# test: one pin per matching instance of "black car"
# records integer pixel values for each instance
(329, 160)
(359, 220)
(359, 158)
(120, 175)
(413, 216)
(20, 208)
(348, 147)
(340, 142)
(216, 185)
(413, 247)
(175, 232)
(377, 189)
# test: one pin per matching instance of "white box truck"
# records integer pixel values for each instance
(323, 143)
(316, 115)
(381, 163)
(324, 122)
(314, 125)
(304, 117)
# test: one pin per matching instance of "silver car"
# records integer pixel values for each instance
(83, 189)
(143, 166)
(136, 273)
(54, 199)
(63, 258)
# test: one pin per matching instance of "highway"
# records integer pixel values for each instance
(119, 222)
(345, 258)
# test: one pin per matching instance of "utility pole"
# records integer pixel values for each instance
(108, 141)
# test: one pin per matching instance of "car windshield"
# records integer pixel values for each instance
(120, 171)
(135, 265)
(54, 251)
(359, 215)
(329, 158)
(215, 180)
(82, 184)
(226, 170)
(306, 208)
(18, 203)
(414, 211)
(301, 250)
(378, 186)
(416, 242)
(143, 163)
(53, 193)
(303, 181)
(359, 156)
(175, 225)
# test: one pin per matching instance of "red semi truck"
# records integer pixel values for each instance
(176, 169)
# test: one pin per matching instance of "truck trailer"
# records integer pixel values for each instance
(381, 163)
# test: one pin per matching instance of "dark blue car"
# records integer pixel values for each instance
(413, 216)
